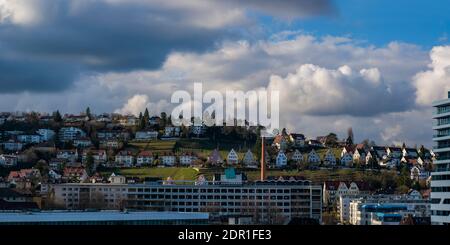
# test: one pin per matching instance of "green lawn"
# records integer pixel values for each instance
(156, 146)
(175, 173)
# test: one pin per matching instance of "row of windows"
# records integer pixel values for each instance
(440, 189)
(212, 190)
(438, 201)
(441, 177)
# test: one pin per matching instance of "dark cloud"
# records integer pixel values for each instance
(99, 36)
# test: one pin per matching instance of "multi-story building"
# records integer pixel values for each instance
(440, 178)
(266, 201)
(382, 209)
(70, 133)
(29, 138)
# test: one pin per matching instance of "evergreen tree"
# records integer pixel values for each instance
(57, 116)
(88, 113)
(146, 117)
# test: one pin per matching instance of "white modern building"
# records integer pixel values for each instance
(440, 178)
(70, 133)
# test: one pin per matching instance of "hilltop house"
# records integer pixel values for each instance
(70, 133)
(410, 152)
(144, 158)
(215, 158)
(8, 160)
(394, 152)
(187, 158)
(297, 157)
(329, 159)
(124, 159)
(347, 160)
(168, 159)
(82, 142)
(99, 156)
(146, 135)
(359, 156)
(75, 174)
(249, 159)
(232, 158)
(281, 160)
(69, 155)
(299, 140)
(171, 131)
(313, 157)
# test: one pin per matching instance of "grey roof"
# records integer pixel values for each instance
(64, 216)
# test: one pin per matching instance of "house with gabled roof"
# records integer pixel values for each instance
(168, 159)
(329, 159)
(296, 156)
(313, 157)
(347, 149)
(410, 152)
(232, 157)
(124, 159)
(394, 152)
(214, 158)
(249, 159)
(281, 160)
(187, 158)
(144, 158)
(346, 160)
(359, 155)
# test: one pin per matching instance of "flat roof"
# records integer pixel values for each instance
(65, 216)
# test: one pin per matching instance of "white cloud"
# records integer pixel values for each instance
(434, 83)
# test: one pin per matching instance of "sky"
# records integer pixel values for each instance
(372, 65)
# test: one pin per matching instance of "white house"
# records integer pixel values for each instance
(187, 159)
(313, 157)
(8, 160)
(146, 135)
(410, 152)
(394, 152)
(198, 130)
(12, 145)
(56, 163)
(281, 160)
(172, 131)
(232, 158)
(29, 138)
(249, 159)
(69, 155)
(82, 142)
(347, 160)
(46, 134)
(144, 158)
(297, 156)
(168, 159)
(70, 133)
(52, 174)
(329, 159)
(418, 173)
(99, 156)
(359, 156)
(124, 158)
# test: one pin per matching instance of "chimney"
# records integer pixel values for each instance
(263, 161)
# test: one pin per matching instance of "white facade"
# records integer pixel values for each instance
(281, 160)
(70, 133)
(313, 157)
(29, 138)
(144, 158)
(347, 160)
(232, 157)
(249, 159)
(8, 160)
(440, 178)
(124, 159)
(168, 160)
(70, 155)
(329, 159)
(46, 134)
(297, 156)
(146, 135)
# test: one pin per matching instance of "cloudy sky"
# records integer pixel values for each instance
(373, 65)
